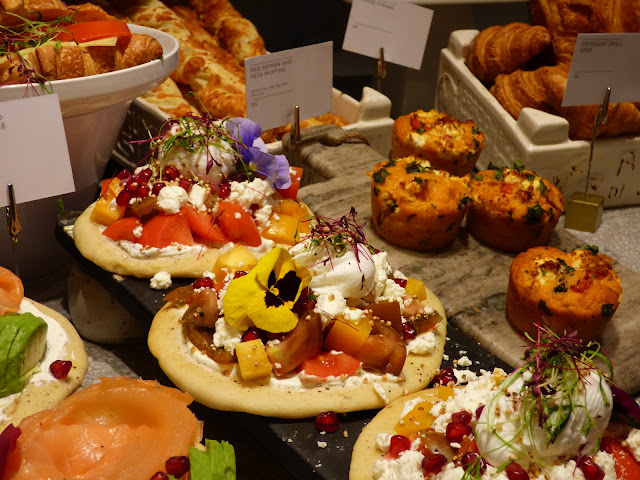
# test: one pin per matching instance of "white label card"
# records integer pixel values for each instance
(33, 155)
(602, 60)
(277, 82)
(399, 27)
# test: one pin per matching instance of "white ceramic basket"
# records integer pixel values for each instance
(537, 139)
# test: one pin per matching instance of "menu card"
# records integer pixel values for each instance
(277, 82)
(34, 156)
(399, 27)
(602, 60)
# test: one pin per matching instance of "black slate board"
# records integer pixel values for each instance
(292, 443)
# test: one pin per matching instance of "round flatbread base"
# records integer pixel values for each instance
(365, 452)
(222, 389)
(35, 398)
(109, 256)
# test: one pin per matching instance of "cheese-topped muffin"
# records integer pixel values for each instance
(446, 142)
(513, 209)
(415, 205)
(574, 291)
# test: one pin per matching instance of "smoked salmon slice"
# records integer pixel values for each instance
(11, 291)
(120, 428)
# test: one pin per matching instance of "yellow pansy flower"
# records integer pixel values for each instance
(265, 296)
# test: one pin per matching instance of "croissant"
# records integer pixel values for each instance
(565, 19)
(235, 33)
(504, 49)
(543, 89)
(72, 61)
(12, 10)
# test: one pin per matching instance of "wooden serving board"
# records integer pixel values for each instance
(469, 278)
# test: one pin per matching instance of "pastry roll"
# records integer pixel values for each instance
(168, 98)
(504, 49)
(210, 72)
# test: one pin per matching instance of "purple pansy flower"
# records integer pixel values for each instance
(253, 151)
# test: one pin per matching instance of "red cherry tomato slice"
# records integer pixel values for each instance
(88, 31)
(292, 191)
(332, 364)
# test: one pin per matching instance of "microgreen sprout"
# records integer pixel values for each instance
(17, 41)
(338, 235)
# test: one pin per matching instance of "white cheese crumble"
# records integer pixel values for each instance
(161, 281)
(171, 198)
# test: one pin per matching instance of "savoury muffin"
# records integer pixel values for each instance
(416, 206)
(438, 137)
(513, 209)
(574, 291)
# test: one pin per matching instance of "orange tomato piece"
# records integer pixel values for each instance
(122, 229)
(11, 291)
(346, 337)
(296, 178)
(238, 225)
(96, 30)
(164, 230)
(202, 225)
(627, 468)
(332, 364)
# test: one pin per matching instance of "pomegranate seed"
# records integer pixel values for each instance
(177, 466)
(398, 444)
(239, 273)
(434, 463)
(170, 172)
(401, 281)
(461, 417)
(131, 187)
(123, 198)
(457, 431)
(445, 377)
(185, 183)
(143, 191)
(590, 469)
(327, 422)
(479, 411)
(144, 175)
(515, 471)
(157, 187)
(60, 369)
(251, 334)
(160, 476)
(408, 332)
(471, 459)
(225, 190)
(124, 174)
(204, 282)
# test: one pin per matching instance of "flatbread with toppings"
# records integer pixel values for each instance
(37, 345)
(557, 416)
(208, 184)
(327, 325)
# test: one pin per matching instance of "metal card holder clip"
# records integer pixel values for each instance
(295, 137)
(13, 224)
(584, 210)
(382, 70)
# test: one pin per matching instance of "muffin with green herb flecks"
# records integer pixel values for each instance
(578, 291)
(416, 206)
(513, 209)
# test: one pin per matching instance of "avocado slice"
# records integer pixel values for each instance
(23, 339)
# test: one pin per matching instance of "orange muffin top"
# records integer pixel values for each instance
(411, 183)
(517, 193)
(581, 280)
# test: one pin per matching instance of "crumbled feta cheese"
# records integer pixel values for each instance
(197, 196)
(226, 336)
(422, 344)
(322, 444)
(137, 232)
(464, 362)
(161, 281)
(171, 198)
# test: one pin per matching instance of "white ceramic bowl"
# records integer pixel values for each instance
(93, 110)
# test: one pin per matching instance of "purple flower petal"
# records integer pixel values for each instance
(625, 402)
(243, 130)
(273, 167)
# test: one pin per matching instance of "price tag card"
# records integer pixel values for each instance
(602, 60)
(34, 156)
(400, 27)
(277, 82)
